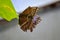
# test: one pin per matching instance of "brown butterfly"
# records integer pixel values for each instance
(28, 18)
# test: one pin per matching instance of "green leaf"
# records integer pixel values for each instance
(7, 10)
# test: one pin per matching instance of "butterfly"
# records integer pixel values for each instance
(28, 19)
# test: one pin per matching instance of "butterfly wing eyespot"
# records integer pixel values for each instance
(27, 19)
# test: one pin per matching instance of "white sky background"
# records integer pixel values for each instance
(20, 5)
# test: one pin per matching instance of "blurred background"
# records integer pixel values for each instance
(47, 29)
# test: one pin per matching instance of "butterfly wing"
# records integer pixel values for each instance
(26, 19)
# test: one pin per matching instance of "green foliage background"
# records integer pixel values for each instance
(7, 10)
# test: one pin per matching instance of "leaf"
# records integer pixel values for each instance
(7, 10)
